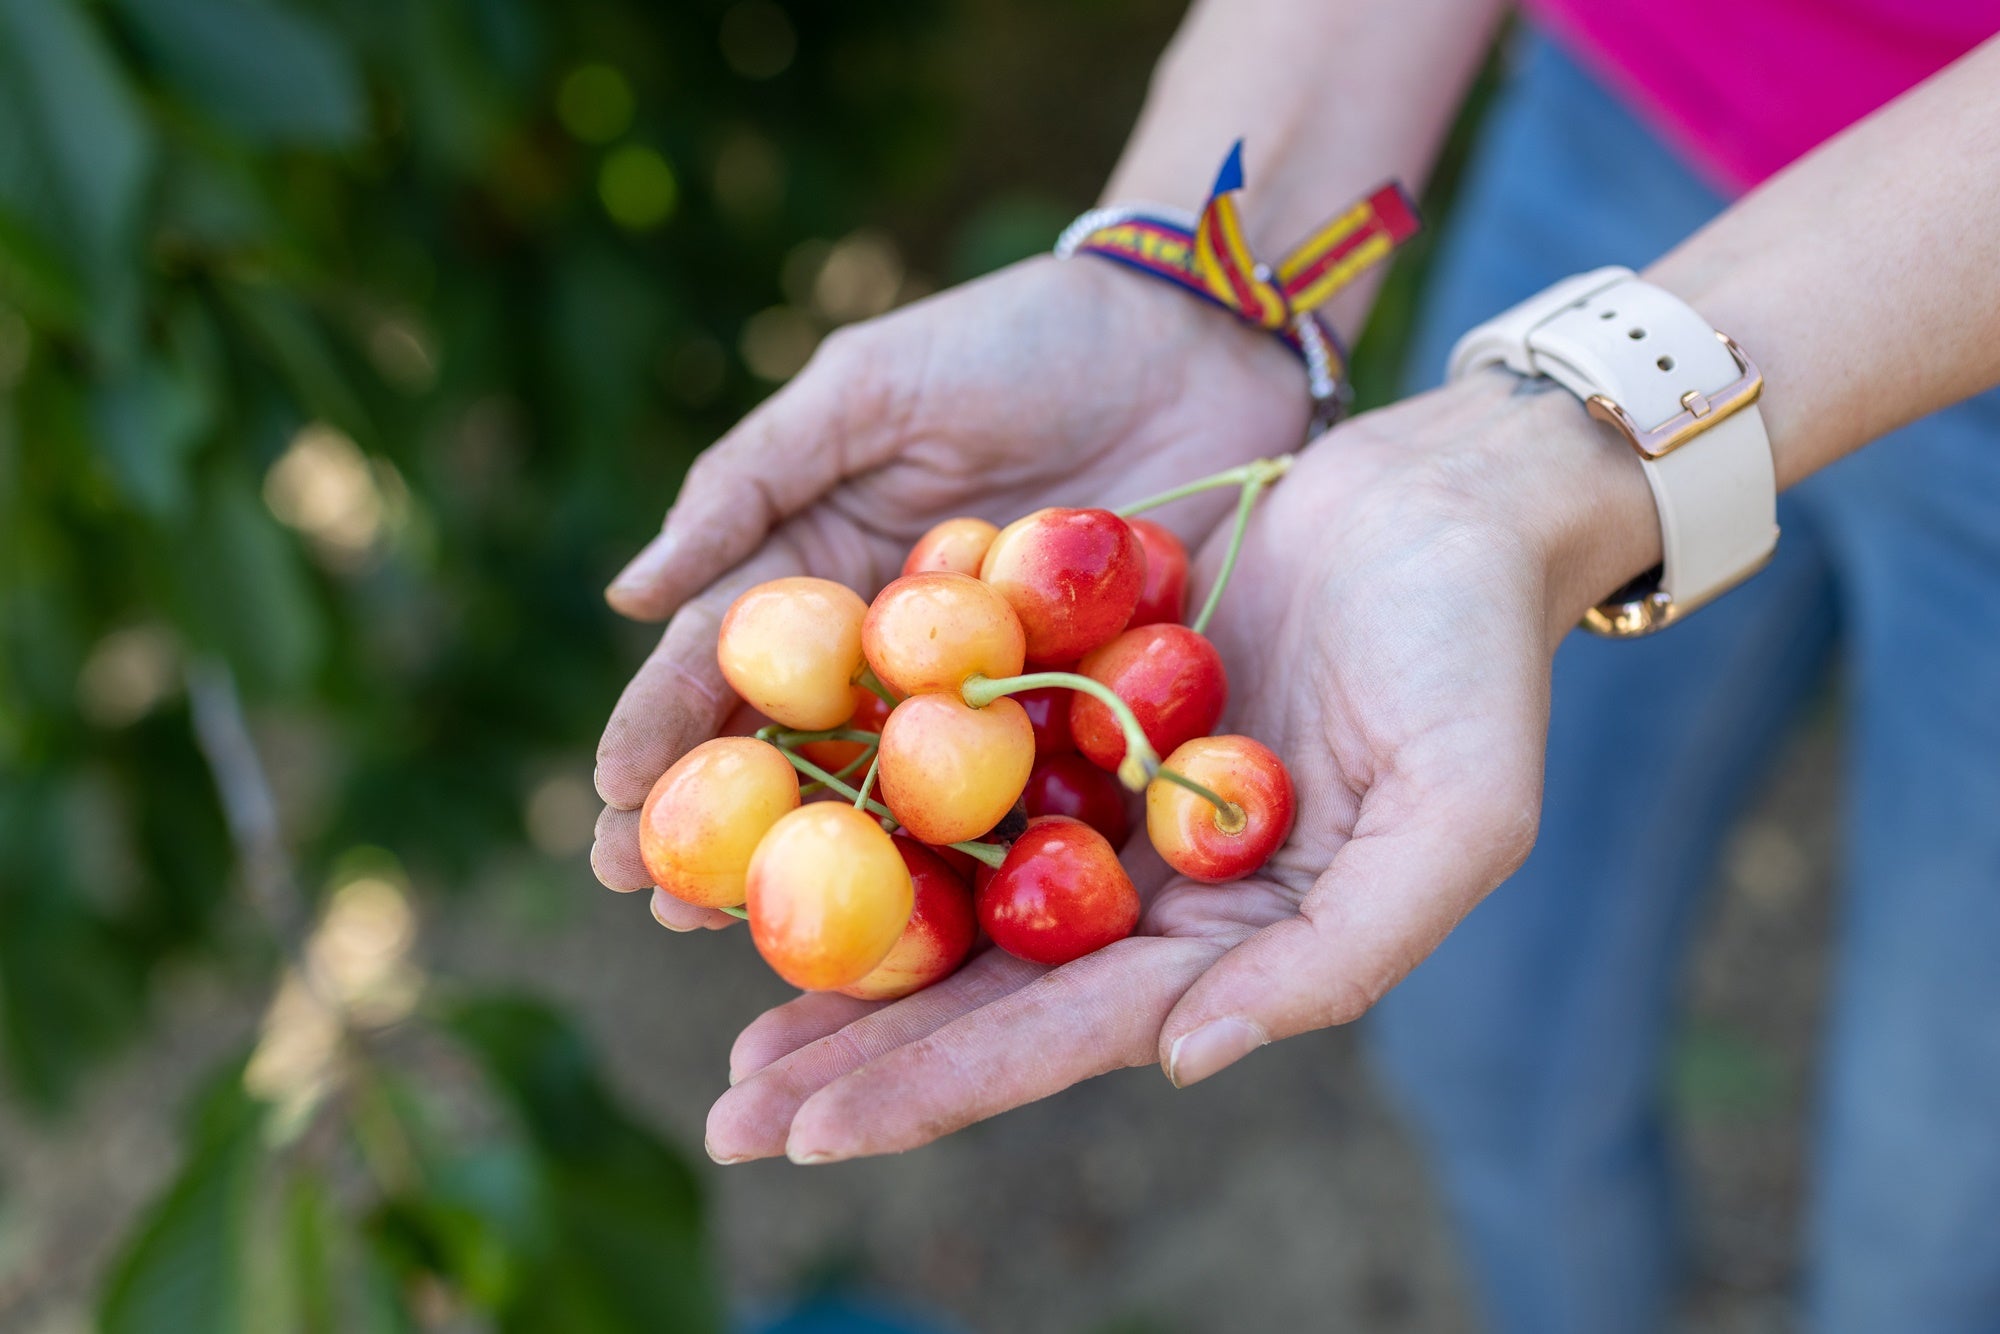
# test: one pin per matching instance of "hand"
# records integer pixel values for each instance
(1048, 383)
(1389, 632)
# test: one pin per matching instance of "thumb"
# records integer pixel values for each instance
(1388, 898)
(790, 451)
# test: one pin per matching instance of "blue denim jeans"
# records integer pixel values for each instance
(1530, 1049)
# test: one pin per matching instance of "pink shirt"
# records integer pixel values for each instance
(1742, 87)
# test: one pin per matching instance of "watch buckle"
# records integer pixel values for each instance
(1700, 411)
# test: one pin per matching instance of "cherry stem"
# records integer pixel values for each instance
(1140, 761)
(1262, 471)
(1229, 817)
(1252, 487)
(844, 771)
(868, 783)
(736, 912)
(872, 683)
(990, 853)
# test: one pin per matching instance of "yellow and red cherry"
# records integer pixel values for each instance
(792, 649)
(1059, 895)
(939, 934)
(950, 772)
(1164, 598)
(828, 896)
(1205, 843)
(958, 545)
(1072, 575)
(1171, 676)
(1048, 713)
(705, 816)
(1073, 786)
(870, 712)
(928, 632)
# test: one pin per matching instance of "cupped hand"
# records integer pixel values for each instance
(1389, 632)
(1048, 383)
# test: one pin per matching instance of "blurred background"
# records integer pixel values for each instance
(345, 351)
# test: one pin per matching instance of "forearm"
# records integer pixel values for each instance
(1331, 98)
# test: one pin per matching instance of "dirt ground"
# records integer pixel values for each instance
(1279, 1198)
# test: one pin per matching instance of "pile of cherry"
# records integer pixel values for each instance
(988, 697)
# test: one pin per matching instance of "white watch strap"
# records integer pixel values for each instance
(1607, 335)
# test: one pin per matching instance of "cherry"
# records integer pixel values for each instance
(950, 771)
(792, 648)
(1073, 786)
(1204, 843)
(963, 864)
(829, 896)
(1172, 678)
(939, 934)
(1164, 597)
(1048, 714)
(1072, 575)
(705, 815)
(870, 712)
(956, 544)
(927, 632)
(1059, 895)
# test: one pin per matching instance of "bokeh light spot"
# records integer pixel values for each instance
(777, 342)
(561, 815)
(757, 39)
(595, 103)
(126, 676)
(637, 187)
(749, 175)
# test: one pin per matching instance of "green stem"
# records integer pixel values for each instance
(872, 683)
(781, 737)
(990, 853)
(868, 783)
(844, 771)
(1140, 758)
(1229, 817)
(1263, 471)
(1244, 503)
(811, 770)
(736, 912)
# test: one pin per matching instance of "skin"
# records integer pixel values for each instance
(705, 816)
(1196, 839)
(1073, 576)
(938, 937)
(792, 647)
(1164, 597)
(958, 545)
(1171, 677)
(1073, 786)
(829, 896)
(951, 772)
(928, 632)
(1060, 895)
(1400, 595)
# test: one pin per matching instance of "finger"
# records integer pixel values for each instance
(784, 1029)
(678, 915)
(678, 699)
(1101, 1013)
(1381, 906)
(614, 854)
(788, 453)
(753, 1118)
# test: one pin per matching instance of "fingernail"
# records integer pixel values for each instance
(809, 1157)
(724, 1158)
(659, 898)
(643, 568)
(1212, 1047)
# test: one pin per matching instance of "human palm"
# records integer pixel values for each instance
(1049, 383)
(1389, 634)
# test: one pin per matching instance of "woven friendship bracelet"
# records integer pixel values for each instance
(1207, 255)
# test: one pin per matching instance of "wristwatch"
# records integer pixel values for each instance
(1684, 397)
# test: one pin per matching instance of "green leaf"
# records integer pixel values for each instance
(76, 156)
(183, 1269)
(148, 420)
(269, 73)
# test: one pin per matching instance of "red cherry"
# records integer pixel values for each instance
(1196, 839)
(939, 934)
(1059, 895)
(1048, 714)
(1073, 786)
(1172, 678)
(1164, 598)
(1073, 577)
(963, 864)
